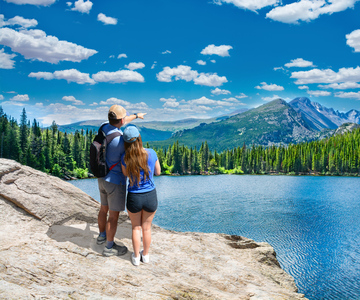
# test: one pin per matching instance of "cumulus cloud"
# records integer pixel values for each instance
(353, 40)
(350, 95)
(274, 97)
(83, 7)
(319, 93)
(341, 86)
(242, 95)
(182, 72)
(252, 5)
(6, 61)
(201, 62)
(126, 104)
(106, 20)
(153, 65)
(35, 44)
(300, 63)
(134, 66)
(32, 2)
(169, 102)
(303, 87)
(222, 50)
(166, 52)
(218, 91)
(308, 10)
(118, 76)
(17, 20)
(122, 55)
(327, 76)
(1, 97)
(20, 98)
(269, 87)
(71, 75)
(73, 100)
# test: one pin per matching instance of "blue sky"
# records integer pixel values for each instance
(69, 61)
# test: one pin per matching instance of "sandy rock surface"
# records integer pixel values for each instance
(48, 251)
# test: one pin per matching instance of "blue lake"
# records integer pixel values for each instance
(312, 222)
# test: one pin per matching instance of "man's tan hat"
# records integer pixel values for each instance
(116, 112)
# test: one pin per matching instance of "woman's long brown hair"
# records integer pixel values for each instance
(136, 160)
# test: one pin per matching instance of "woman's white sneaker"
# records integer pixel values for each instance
(144, 258)
(135, 260)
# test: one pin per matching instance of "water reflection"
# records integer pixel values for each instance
(312, 222)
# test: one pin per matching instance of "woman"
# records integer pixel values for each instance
(139, 165)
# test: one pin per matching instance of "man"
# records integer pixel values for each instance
(112, 187)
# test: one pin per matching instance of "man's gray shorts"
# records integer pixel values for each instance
(112, 195)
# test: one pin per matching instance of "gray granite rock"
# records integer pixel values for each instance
(48, 251)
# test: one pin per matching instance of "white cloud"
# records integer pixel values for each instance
(213, 61)
(6, 61)
(71, 75)
(327, 76)
(353, 40)
(222, 50)
(350, 95)
(118, 76)
(218, 103)
(218, 91)
(253, 5)
(278, 68)
(319, 93)
(169, 102)
(209, 79)
(308, 10)
(134, 66)
(127, 105)
(274, 97)
(122, 55)
(1, 97)
(269, 87)
(35, 44)
(201, 62)
(73, 100)
(300, 63)
(106, 20)
(83, 7)
(303, 87)
(242, 95)
(33, 2)
(20, 98)
(17, 20)
(153, 65)
(182, 72)
(341, 86)
(166, 52)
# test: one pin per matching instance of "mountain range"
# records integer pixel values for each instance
(274, 123)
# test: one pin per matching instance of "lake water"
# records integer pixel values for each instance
(312, 222)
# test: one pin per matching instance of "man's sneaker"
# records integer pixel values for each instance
(100, 240)
(144, 258)
(135, 260)
(115, 250)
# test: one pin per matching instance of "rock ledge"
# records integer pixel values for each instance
(48, 251)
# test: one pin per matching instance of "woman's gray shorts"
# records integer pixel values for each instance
(112, 195)
(142, 201)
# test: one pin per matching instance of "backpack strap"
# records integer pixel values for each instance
(109, 138)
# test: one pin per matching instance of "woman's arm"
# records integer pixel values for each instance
(157, 170)
(131, 118)
(123, 168)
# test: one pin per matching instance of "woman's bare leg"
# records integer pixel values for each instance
(146, 230)
(136, 231)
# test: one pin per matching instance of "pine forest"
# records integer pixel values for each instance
(67, 155)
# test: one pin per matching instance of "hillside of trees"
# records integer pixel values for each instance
(67, 155)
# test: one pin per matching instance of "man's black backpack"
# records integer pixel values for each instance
(98, 147)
